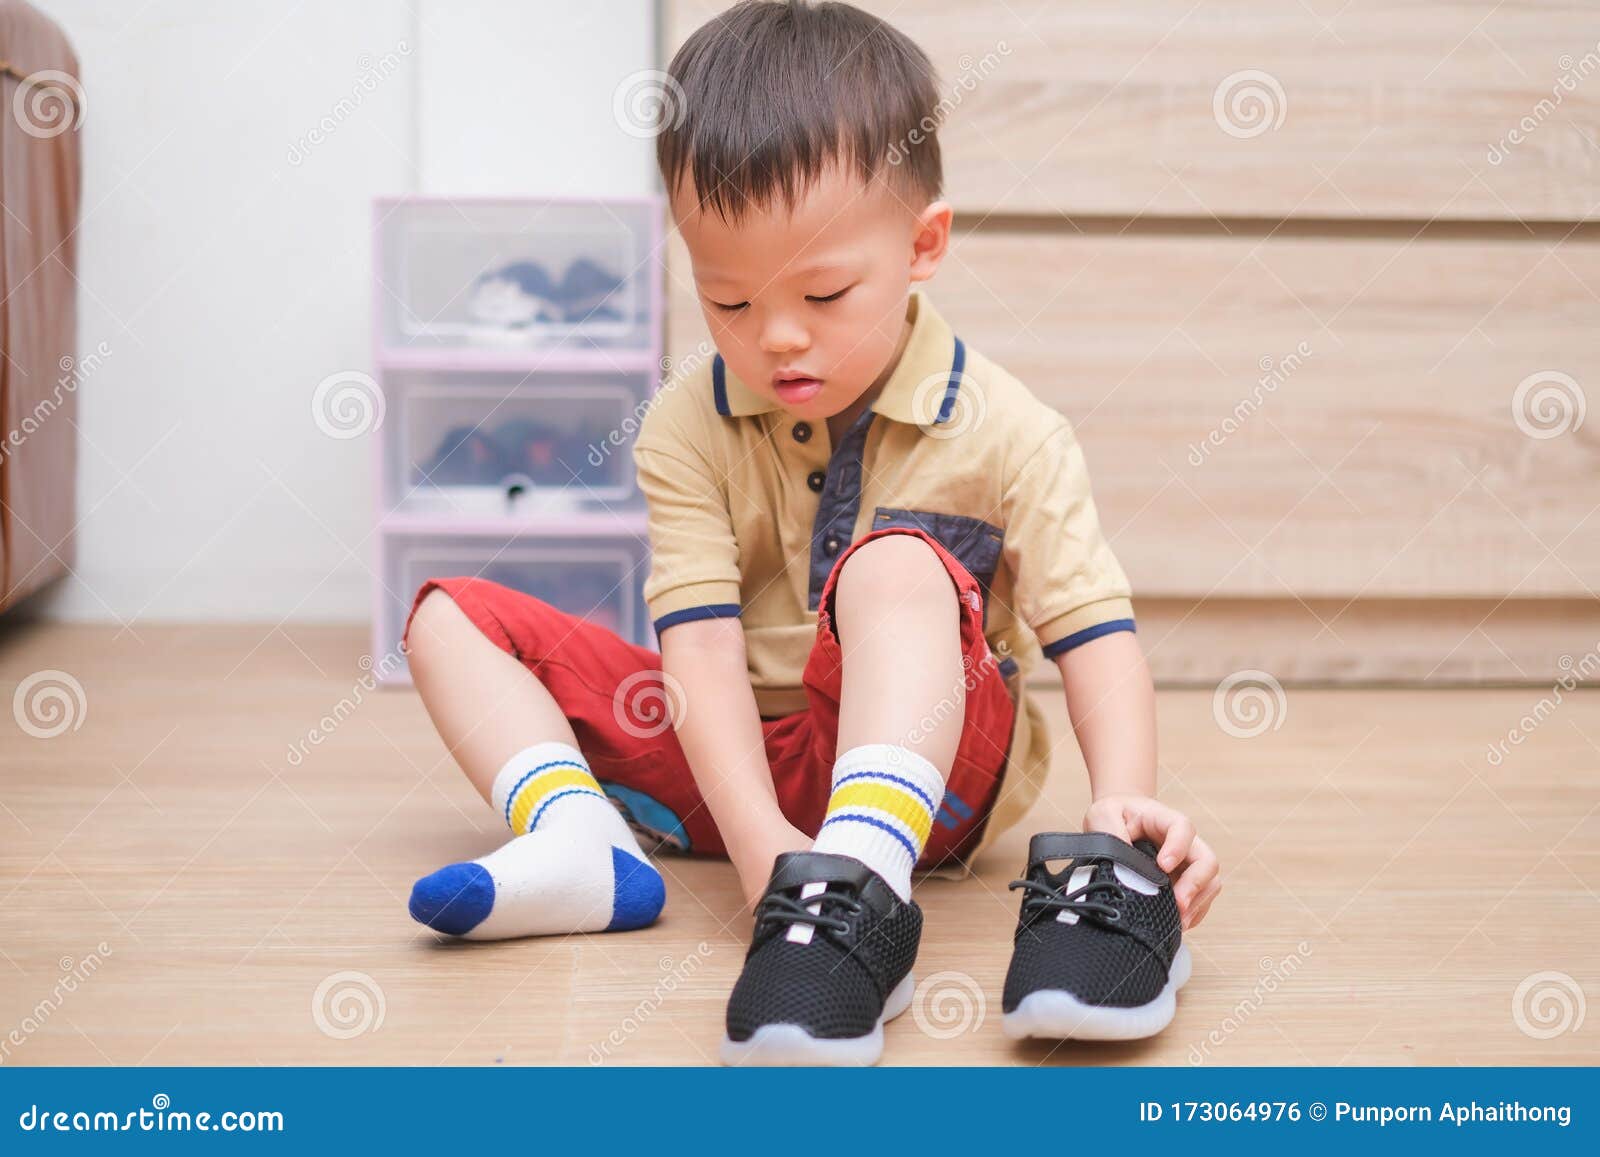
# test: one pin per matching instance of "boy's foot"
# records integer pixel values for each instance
(1098, 953)
(575, 865)
(830, 962)
(541, 884)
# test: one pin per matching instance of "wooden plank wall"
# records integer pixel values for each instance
(1319, 285)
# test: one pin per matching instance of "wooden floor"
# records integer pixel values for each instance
(1390, 889)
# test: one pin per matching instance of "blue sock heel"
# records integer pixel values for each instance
(640, 893)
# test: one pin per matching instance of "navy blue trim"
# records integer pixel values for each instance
(719, 385)
(954, 384)
(841, 493)
(691, 614)
(841, 502)
(1008, 665)
(1087, 635)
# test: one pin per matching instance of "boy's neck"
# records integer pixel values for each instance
(841, 422)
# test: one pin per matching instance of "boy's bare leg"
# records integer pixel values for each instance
(899, 625)
(574, 865)
(485, 704)
(902, 706)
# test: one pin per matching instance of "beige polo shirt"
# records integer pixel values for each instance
(748, 508)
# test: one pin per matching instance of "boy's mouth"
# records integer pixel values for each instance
(793, 388)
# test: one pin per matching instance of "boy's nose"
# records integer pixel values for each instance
(781, 336)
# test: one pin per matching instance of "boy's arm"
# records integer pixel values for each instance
(1068, 583)
(693, 593)
(1112, 703)
(719, 729)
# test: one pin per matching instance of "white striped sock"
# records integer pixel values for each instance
(881, 810)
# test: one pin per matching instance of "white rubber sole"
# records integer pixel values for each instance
(1056, 1015)
(789, 1044)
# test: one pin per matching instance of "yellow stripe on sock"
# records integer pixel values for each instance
(887, 798)
(541, 787)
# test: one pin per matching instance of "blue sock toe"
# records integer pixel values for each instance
(453, 900)
(639, 893)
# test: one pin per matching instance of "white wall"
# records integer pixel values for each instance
(225, 261)
(517, 97)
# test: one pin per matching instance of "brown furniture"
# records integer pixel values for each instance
(1318, 291)
(40, 171)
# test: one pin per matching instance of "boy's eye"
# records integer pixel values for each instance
(734, 308)
(831, 296)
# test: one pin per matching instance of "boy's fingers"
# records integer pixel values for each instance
(1146, 822)
(1107, 818)
(1197, 911)
(1175, 848)
(1197, 875)
(1168, 828)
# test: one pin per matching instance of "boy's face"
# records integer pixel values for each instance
(808, 307)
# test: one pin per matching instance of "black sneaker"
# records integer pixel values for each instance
(830, 962)
(1099, 949)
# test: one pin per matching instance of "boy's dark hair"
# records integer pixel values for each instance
(773, 91)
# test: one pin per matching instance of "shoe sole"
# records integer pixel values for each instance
(790, 1044)
(1052, 1014)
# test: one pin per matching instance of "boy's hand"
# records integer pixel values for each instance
(755, 856)
(1182, 854)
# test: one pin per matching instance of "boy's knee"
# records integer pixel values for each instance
(431, 622)
(902, 569)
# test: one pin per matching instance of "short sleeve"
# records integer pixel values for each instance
(694, 557)
(1069, 587)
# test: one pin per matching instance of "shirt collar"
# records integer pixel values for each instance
(920, 391)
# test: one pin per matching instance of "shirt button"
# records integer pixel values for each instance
(815, 480)
(830, 546)
(802, 431)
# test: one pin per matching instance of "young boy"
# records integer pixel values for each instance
(861, 530)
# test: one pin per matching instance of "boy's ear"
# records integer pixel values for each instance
(930, 239)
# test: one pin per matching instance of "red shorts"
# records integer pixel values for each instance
(634, 752)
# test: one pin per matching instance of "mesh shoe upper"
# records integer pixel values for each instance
(1086, 932)
(862, 942)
